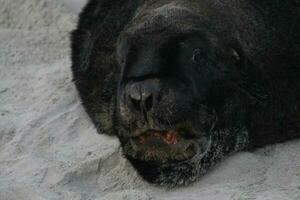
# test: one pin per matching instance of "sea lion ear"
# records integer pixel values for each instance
(100, 23)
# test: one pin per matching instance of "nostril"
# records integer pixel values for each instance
(148, 103)
(136, 103)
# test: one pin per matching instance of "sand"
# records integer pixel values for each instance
(49, 149)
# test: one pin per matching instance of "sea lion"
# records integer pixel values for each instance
(184, 83)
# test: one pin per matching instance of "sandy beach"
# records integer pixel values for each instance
(49, 149)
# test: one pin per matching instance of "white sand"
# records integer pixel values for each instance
(74, 6)
(50, 150)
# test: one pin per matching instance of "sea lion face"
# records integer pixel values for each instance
(177, 107)
(175, 89)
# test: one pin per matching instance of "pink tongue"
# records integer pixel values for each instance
(169, 138)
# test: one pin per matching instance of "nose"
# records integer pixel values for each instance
(143, 95)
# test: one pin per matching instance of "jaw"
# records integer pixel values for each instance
(173, 173)
(182, 172)
(168, 165)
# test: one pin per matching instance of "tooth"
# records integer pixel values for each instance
(142, 140)
(174, 139)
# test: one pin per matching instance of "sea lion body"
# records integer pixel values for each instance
(185, 83)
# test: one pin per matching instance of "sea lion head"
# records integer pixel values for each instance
(175, 87)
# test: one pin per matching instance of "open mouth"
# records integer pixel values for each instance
(166, 145)
(161, 138)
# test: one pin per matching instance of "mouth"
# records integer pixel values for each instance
(166, 146)
(161, 138)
